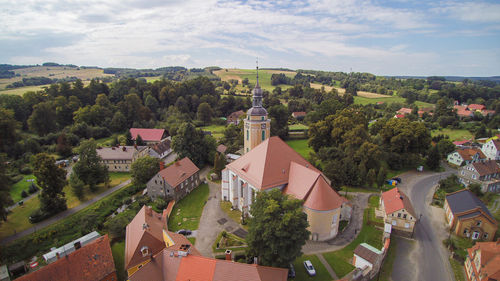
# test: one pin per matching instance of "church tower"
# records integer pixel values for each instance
(257, 125)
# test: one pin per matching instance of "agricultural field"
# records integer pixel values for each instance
(454, 134)
(20, 91)
(264, 77)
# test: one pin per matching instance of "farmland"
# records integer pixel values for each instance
(264, 77)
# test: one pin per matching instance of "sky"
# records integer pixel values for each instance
(398, 37)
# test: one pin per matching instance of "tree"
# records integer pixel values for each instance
(433, 158)
(371, 177)
(381, 177)
(5, 199)
(8, 126)
(63, 146)
(88, 168)
(76, 185)
(52, 180)
(277, 230)
(192, 143)
(139, 141)
(279, 121)
(144, 168)
(476, 189)
(219, 163)
(445, 147)
(204, 113)
(119, 122)
(43, 119)
(129, 140)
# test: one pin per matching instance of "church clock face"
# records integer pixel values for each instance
(263, 126)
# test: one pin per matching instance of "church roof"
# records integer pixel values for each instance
(268, 164)
(322, 197)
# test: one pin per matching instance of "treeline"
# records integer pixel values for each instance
(36, 81)
(175, 73)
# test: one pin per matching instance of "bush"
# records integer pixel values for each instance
(26, 170)
(16, 178)
(33, 188)
(37, 216)
(24, 194)
(159, 204)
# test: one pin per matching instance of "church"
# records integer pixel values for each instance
(269, 163)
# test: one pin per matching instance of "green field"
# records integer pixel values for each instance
(216, 130)
(264, 77)
(454, 134)
(18, 187)
(20, 91)
(392, 99)
(301, 273)
(187, 212)
(298, 127)
(118, 250)
(300, 146)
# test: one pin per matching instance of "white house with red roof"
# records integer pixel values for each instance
(149, 136)
(398, 210)
(274, 164)
(492, 149)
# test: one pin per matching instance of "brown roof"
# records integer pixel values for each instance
(395, 200)
(162, 146)
(486, 168)
(490, 259)
(366, 254)
(468, 153)
(476, 106)
(404, 110)
(464, 113)
(268, 164)
(118, 153)
(496, 143)
(235, 115)
(93, 261)
(299, 114)
(179, 171)
(148, 134)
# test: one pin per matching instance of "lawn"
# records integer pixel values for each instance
(454, 134)
(233, 214)
(388, 99)
(300, 146)
(216, 130)
(18, 187)
(340, 260)
(107, 141)
(301, 274)
(231, 242)
(298, 127)
(187, 212)
(118, 250)
(386, 270)
(458, 270)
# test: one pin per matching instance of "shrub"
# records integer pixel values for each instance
(33, 188)
(37, 216)
(24, 194)
(26, 170)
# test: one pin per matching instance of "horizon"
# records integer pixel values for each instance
(393, 38)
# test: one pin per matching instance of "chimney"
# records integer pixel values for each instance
(149, 211)
(58, 256)
(255, 260)
(162, 165)
(229, 255)
(164, 217)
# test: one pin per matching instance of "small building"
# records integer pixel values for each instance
(175, 181)
(234, 118)
(483, 262)
(462, 143)
(149, 136)
(70, 247)
(398, 211)
(486, 174)
(92, 262)
(120, 158)
(464, 113)
(299, 115)
(366, 256)
(465, 156)
(492, 149)
(476, 107)
(161, 149)
(468, 217)
(486, 112)
(404, 111)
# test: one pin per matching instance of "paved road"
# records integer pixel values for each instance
(429, 256)
(62, 215)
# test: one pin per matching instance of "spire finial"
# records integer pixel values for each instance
(257, 62)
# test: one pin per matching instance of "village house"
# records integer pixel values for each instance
(492, 149)
(486, 174)
(476, 107)
(404, 111)
(369, 259)
(234, 118)
(299, 115)
(483, 262)
(468, 217)
(398, 211)
(175, 181)
(120, 158)
(149, 136)
(466, 156)
(154, 253)
(92, 262)
(161, 149)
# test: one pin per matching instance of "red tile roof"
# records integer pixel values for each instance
(468, 153)
(395, 200)
(399, 116)
(298, 114)
(490, 260)
(476, 106)
(461, 142)
(148, 134)
(488, 112)
(93, 261)
(464, 113)
(404, 110)
(179, 171)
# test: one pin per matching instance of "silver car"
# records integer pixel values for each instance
(309, 268)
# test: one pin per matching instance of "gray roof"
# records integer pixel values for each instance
(118, 153)
(259, 111)
(465, 200)
(471, 215)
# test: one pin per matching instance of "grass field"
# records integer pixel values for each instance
(188, 210)
(386, 270)
(18, 187)
(454, 134)
(298, 127)
(458, 270)
(216, 130)
(300, 271)
(264, 77)
(20, 91)
(118, 250)
(300, 146)
(388, 99)
(107, 141)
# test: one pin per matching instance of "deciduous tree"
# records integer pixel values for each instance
(52, 180)
(144, 168)
(88, 168)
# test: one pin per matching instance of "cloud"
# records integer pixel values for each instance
(480, 12)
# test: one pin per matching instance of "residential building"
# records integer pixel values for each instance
(161, 149)
(299, 115)
(462, 143)
(70, 247)
(398, 211)
(466, 156)
(92, 262)
(467, 216)
(476, 107)
(234, 118)
(404, 111)
(120, 158)
(149, 136)
(275, 165)
(483, 262)
(175, 181)
(486, 174)
(492, 149)
(154, 253)
(257, 124)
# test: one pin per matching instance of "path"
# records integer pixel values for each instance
(327, 266)
(23, 200)
(62, 215)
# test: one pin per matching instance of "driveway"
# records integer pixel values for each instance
(427, 259)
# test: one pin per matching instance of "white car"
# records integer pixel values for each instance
(309, 267)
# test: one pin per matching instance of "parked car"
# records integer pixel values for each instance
(291, 271)
(397, 179)
(309, 268)
(184, 232)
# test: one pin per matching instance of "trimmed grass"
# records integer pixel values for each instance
(301, 273)
(386, 270)
(216, 130)
(454, 134)
(340, 260)
(458, 269)
(118, 250)
(300, 146)
(192, 240)
(187, 212)
(298, 127)
(239, 243)
(107, 141)
(233, 214)
(18, 187)
(374, 201)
